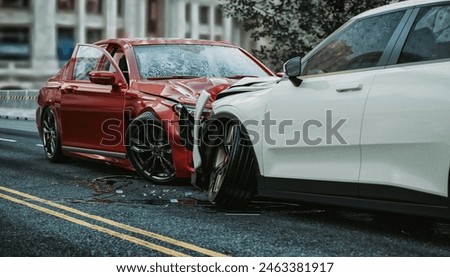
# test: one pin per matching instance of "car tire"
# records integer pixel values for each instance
(50, 136)
(149, 150)
(231, 167)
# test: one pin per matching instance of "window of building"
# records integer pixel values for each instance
(188, 12)
(93, 35)
(204, 14)
(65, 44)
(65, 5)
(16, 4)
(94, 6)
(204, 36)
(120, 8)
(152, 17)
(218, 15)
(15, 43)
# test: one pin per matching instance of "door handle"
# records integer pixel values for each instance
(71, 89)
(349, 87)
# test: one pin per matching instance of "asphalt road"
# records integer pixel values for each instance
(84, 208)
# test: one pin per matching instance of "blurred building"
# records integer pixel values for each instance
(38, 36)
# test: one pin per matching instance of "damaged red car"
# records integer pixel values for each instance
(130, 102)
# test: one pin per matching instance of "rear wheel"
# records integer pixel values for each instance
(232, 180)
(50, 136)
(149, 149)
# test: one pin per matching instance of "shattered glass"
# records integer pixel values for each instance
(178, 61)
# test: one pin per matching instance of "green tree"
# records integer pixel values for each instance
(293, 27)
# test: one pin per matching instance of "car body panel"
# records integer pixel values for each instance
(405, 139)
(315, 100)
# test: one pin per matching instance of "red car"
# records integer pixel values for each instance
(129, 102)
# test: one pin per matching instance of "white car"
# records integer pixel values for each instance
(363, 120)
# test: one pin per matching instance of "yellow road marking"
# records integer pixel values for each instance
(97, 228)
(119, 225)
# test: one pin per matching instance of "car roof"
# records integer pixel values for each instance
(163, 41)
(397, 6)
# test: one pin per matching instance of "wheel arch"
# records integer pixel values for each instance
(133, 114)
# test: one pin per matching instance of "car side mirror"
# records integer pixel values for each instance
(103, 77)
(293, 69)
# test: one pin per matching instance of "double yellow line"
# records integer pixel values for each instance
(110, 232)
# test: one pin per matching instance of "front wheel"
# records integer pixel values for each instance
(149, 150)
(232, 179)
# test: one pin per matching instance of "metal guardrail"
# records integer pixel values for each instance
(18, 104)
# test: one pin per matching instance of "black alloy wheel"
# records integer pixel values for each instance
(50, 136)
(149, 149)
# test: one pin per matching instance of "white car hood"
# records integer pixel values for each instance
(250, 84)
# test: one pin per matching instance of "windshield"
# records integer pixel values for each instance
(178, 61)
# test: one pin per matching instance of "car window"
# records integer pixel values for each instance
(165, 61)
(358, 45)
(88, 59)
(429, 38)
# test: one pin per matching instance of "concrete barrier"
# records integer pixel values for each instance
(18, 104)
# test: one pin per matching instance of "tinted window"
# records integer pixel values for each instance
(164, 61)
(358, 45)
(429, 38)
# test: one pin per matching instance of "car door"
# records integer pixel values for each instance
(316, 127)
(405, 138)
(92, 114)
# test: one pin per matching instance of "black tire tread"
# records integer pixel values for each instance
(239, 182)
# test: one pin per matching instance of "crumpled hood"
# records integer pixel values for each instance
(185, 90)
(249, 84)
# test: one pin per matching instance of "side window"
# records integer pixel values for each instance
(89, 59)
(429, 38)
(358, 45)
